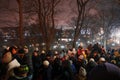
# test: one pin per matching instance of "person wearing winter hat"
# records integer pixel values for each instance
(105, 71)
(46, 63)
(25, 48)
(28, 60)
(25, 59)
(8, 63)
(47, 70)
(90, 65)
(101, 60)
(6, 59)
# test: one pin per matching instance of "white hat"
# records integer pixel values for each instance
(102, 59)
(91, 59)
(43, 52)
(74, 51)
(56, 52)
(46, 63)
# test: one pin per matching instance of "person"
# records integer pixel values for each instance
(8, 63)
(57, 68)
(37, 63)
(13, 50)
(67, 73)
(104, 71)
(24, 59)
(28, 57)
(80, 62)
(47, 70)
(90, 65)
(101, 60)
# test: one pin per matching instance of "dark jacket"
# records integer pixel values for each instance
(18, 78)
(105, 71)
(67, 73)
(47, 73)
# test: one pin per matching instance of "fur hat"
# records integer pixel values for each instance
(43, 52)
(46, 63)
(92, 59)
(102, 59)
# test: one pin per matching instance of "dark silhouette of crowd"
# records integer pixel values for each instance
(91, 63)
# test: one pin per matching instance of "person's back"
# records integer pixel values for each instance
(105, 71)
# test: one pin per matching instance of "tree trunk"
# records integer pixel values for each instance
(20, 22)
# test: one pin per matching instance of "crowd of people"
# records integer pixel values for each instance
(91, 63)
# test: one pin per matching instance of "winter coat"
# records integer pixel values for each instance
(67, 73)
(36, 66)
(18, 78)
(105, 71)
(47, 73)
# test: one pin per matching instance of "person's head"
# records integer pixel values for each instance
(80, 58)
(43, 52)
(113, 62)
(101, 60)
(6, 57)
(91, 60)
(95, 53)
(13, 49)
(26, 49)
(66, 57)
(35, 53)
(21, 52)
(46, 63)
(80, 47)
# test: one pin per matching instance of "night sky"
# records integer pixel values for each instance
(9, 18)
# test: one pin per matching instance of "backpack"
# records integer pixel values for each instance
(82, 72)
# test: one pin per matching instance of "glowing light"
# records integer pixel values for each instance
(89, 42)
(81, 44)
(55, 46)
(69, 39)
(77, 42)
(5, 40)
(113, 44)
(62, 46)
(66, 40)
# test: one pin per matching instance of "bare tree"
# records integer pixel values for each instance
(81, 8)
(46, 10)
(108, 17)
